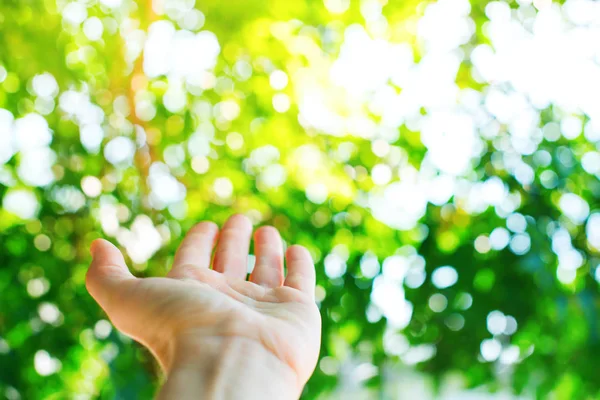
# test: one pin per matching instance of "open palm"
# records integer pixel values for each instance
(195, 305)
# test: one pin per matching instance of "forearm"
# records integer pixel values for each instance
(228, 368)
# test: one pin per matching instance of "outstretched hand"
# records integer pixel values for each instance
(206, 326)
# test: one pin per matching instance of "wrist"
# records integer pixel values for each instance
(228, 368)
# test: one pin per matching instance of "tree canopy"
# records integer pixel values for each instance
(439, 159)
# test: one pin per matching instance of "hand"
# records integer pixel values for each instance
(211, 328)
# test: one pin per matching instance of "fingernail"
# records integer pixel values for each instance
(93, 248)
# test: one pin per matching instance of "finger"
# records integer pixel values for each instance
(231, 256)
(268, 270)
(300, 270)
(108, 274)
(196, 249)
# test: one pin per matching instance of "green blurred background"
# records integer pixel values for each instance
(438, 158)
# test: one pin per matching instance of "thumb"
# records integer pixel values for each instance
(108, 274)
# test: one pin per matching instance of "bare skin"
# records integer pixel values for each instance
(215, 334)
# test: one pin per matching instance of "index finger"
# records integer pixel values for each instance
(196, 248)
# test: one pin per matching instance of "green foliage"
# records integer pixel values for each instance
(138, 157)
